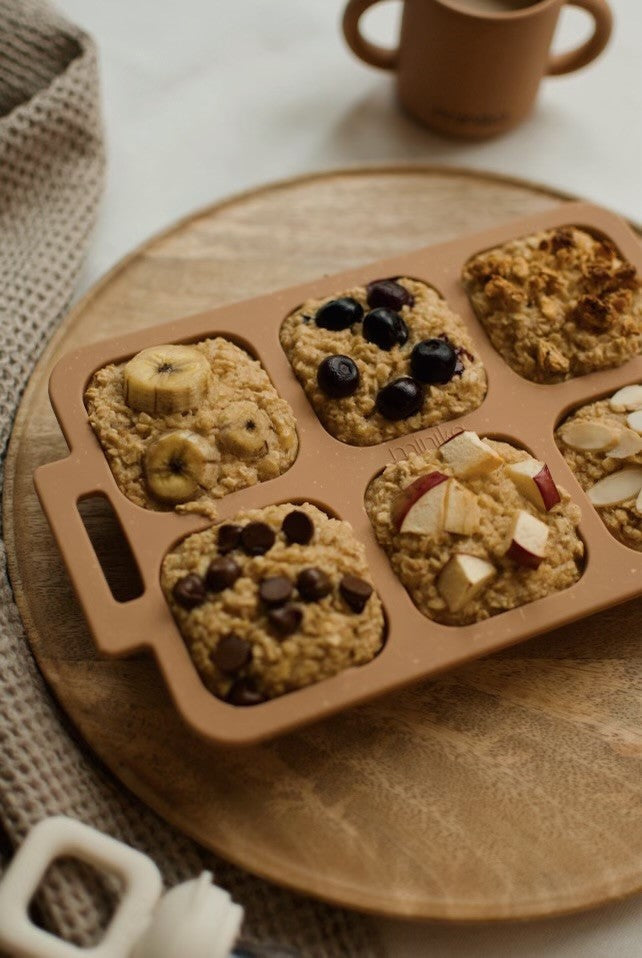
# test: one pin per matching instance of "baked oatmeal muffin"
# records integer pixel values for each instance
(273, 601)
(182, 426)
(384, 360)
(474, 528)
(557, 304)
(602, 443)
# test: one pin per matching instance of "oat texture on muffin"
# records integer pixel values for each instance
(557, 304)
(277, 599)
(182, 426)
(383, 360)
(475, 528)
(602, 443)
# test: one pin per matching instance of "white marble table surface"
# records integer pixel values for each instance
(204, 98)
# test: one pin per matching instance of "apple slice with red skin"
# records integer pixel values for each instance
(411, 514)
(535, 482)
(462, 578)
(527, 540)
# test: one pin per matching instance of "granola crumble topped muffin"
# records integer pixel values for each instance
(474, 528)
(602, 443)
(557, 304)
(182, 426)
(383, 360)
(277, 599)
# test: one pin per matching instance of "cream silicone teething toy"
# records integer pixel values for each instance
(193, 920)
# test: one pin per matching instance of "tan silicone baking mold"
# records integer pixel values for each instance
(335, 475)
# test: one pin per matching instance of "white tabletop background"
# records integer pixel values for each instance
(204, 98)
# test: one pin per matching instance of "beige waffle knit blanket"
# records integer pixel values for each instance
(51, 172)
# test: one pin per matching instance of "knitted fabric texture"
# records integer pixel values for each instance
(51, 175)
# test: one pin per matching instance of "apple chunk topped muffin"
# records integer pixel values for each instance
(474, 528)
(602, 443)
(183, 425)
(557, 304)
(383, 360)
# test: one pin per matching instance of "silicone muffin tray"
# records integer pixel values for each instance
(334, 476)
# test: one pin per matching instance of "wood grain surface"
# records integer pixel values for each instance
(511, 788)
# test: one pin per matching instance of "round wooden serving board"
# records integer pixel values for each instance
(511, 788)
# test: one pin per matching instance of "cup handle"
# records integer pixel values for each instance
(575, 59)
(370, 53)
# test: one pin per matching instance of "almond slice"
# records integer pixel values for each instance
(634, 420)
(627, 398)
(638, 504)
(617, 488)
(629, 444)
(589, 435)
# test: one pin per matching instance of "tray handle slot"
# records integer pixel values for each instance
(118, 627)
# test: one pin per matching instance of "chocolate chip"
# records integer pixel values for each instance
(222, 573)
(257, 538)
(243, 692)
(275, 590)
(189, 591)
(355, 591)
(389, 294)
(285, 620)
(228, 538)
(313, 584)
(231, 653)
(298, 527)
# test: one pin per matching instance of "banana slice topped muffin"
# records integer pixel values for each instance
(557, 304)
(602, 443)
(273, 601)
(474, 528)
(383, 360)
(183, 425)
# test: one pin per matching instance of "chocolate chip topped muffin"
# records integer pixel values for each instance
(384, 360)
(475, 528)
(602, 443)
(557, 304)
(184, 425)
(275, 600)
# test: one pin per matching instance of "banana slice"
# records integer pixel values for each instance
(244, 430)
(166, 379)
(176, 465)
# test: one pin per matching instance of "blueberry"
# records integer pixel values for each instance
(339, 314)
(385, 328)
(338, 376)
(388, 293)
(400, 399)
(433, 361)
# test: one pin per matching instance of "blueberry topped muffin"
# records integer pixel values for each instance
(383, 360)
(557, 304)
(184, 425)
(272, 601)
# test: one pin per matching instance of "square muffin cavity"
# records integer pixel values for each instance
(557, 304)
(383, 360)
(182, 426)
(272, 601)
(602, 443)
(475, 528)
